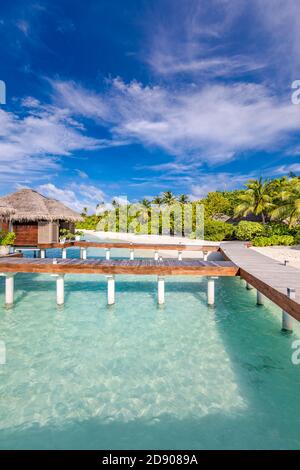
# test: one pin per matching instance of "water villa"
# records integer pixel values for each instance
(35, 218)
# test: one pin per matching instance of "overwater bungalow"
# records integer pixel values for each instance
(6, 212)
(35, 218)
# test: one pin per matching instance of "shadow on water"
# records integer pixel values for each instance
(260, 357)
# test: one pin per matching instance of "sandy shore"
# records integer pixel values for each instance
(132, 238)
(282, 253)
(279, 253)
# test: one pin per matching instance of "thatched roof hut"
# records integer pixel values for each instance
(36, 219)
(30, 206)
(5, 210)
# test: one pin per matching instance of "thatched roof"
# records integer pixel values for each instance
(30, 206)
(5, 210)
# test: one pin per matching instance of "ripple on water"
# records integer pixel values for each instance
(136, 375)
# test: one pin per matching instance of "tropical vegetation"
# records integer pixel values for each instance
(265, 212)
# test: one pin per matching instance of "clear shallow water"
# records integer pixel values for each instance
(138, 376)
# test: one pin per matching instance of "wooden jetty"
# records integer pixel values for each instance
(280, 283)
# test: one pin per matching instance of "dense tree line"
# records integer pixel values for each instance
(264, 211)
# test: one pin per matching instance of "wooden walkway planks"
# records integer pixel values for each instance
(269, 276)
(189, 267)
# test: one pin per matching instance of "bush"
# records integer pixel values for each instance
(249, 230)
(217, 231)
(7, 238)
(286, 240)
(277, 229)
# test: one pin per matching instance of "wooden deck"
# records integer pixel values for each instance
(94, 266)
(268, 276)
(132, 246)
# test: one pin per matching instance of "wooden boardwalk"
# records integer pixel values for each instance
(168, 267)
(268, 276)
(132, 246)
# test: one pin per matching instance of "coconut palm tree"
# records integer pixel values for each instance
(145, 202)
(255, 200)
(168, 198)
(157, 200)
(183, 199)
(288, 203)
(84, 212)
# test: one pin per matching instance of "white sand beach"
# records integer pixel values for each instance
(282, 253)
(133, 238)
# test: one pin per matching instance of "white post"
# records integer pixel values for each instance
(110, 289)
(179, 255)
(161, 290)
(9, 289)
(43, 253)
(131, 254)
(259, 298)
(64, 253)
(210, 291)
(156, 255)
(60, 289)
(287, 320)
(205, 254)
(107, 254)
(248, 286)
(83, 253)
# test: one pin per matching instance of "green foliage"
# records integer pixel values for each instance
(7, 238)
(277, 228)
(286, 240)
(249, 230)
(217, 231)
(287, 203)
(256, 200)
(216, 204)
(90, 222)
(65, 233)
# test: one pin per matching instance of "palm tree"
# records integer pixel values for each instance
(157, 200)
(183, 199)
(84, 212)
(145, 202)
(256, 199)
(288, 203)
(168, 198)
(115, 203)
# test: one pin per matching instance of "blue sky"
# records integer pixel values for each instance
(130, 98)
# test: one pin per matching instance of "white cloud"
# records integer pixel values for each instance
(210, 124)
(197, 44)
(82, 174)
(32, 143)
(75, 196)
(285, 169)
(217, 182)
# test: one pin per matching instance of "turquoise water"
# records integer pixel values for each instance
(135, 375)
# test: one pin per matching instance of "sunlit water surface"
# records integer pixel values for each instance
(135, 375)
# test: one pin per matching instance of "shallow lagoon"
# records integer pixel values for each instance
(135, 375)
